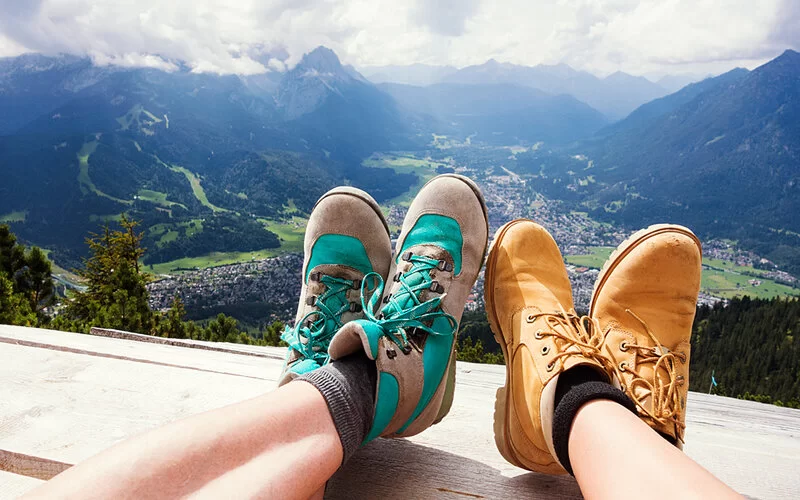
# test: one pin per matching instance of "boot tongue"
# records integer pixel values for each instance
(356, 336)
(402, 299)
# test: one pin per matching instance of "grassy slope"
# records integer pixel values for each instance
(14, 217)
(425, 170)
(84, 180)
(210, 260)
(197, 188)
(156, 197)
(292, 231)
(291, 234)
(720, 278)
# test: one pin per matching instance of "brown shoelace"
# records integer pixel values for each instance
(581, 332)
(664, 390)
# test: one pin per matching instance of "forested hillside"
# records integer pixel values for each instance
(752, 346)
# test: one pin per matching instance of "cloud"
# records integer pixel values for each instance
(257, 36)
(134, 61)
(445, 17)
(787, 29)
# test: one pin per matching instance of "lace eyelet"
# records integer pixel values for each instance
(550, 366)
(545, 350)
(682, 357)
(623, 366)
(531, 319)
(623, 346)
(538, 335)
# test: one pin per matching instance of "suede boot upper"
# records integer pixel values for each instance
(645, 301)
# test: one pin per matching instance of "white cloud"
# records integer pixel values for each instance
(255, 36)
(9, 48)
(133, 61)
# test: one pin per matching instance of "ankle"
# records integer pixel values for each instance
(348, 386)
(577, 387)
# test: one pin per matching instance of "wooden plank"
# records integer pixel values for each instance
(249, 366)
(244, 349)
(66, 406)
(66, 397)
(14, 485)
(29, 466)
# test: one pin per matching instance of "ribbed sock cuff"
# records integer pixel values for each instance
(567, 407)
(348, 387)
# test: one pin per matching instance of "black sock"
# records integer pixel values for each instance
(348, 386)
(576, 387)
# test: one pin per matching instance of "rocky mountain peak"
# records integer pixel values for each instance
(322, 59)
(318, 75)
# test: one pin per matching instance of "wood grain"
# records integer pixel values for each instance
(65, 397)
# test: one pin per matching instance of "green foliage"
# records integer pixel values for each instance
(221, 233)
(14, 309)
(116, 296)
(26, 286)
(474, 353)
(116, 290)
(476, 342)
(172, 324)
(752, 346)
(272, 334)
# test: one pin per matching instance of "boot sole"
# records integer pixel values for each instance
(628, 245)
(501, 411)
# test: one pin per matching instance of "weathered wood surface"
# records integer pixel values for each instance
(65, 397)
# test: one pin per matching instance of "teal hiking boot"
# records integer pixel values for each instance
(346, 239)
(412, 339)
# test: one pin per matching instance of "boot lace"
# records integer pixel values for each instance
(578, 335)
(312, 335)
(403, 311)
(665, 394)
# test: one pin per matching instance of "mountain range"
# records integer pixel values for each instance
(498, 114)
(420, 75)
(615, 95)
(80, 144)
(721, 155)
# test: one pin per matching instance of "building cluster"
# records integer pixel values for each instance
(276, 281)
(273, 281)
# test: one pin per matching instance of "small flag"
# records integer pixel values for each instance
(713, 380)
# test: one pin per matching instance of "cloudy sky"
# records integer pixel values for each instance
(650, 37)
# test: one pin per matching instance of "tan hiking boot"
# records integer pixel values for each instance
(346, 238)
(437, 259)
(645, 301)
(530, 310)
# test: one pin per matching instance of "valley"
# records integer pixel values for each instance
(246, 286)
(222, 174)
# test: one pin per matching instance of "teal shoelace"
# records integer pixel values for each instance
(404, 311)
(312, 335)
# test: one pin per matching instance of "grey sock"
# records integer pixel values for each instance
(348, 386)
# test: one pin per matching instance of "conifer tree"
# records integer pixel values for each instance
(27, 286)
(116, 291)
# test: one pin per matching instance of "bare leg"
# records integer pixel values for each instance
(251, 449)
(616, 455)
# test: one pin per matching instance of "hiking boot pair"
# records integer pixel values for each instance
(636, 336)
(401, 309)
